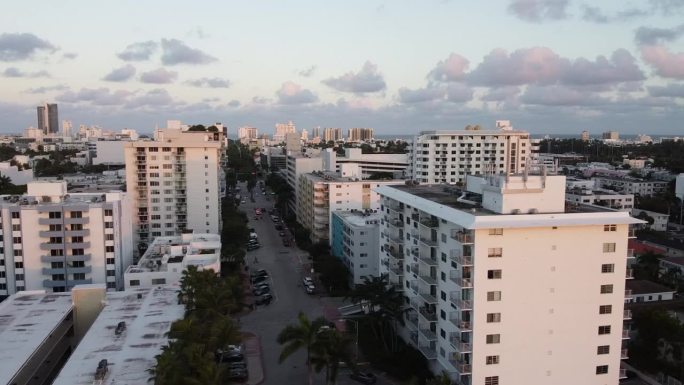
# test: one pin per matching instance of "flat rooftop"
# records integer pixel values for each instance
(26, 320)
(638, 286)
(148, 314)
(174, 249)
(358, 218)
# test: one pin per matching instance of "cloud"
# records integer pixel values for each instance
(139, 51)
(197, 32)
(45, 89)
(154, 98)
(308, 72)
(501, 94)
(209, 83)
(14, 72)
(665, 63)
(292, 93)
(121, 74)
(421, 95)
(451, 69)
(176, 52)
(22, 46)
(158, 76)
(594, 14)
(95, 96)
(556, 95)
(69, 55)
(540, 65)
(234, 103)
(652, 36)
(368, 79)
(539, 10)
(670, 91)
(459, 93)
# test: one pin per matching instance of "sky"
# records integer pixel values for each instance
(549, 66)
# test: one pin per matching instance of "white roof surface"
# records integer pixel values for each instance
(130, 354)
(26, 320)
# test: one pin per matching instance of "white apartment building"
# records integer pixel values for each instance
(109, 152)
(600, 197)
(321, 193)
(448, 156)
(167, 257)
(18, 177)
(297, 165)
(660, 220)
(506, 282)
(282, 129)
(629, 185)
(247, 133)
(177, 182)
(369, 163)
(354, 240)
(360, 134)
(679, 187)
(54, 240)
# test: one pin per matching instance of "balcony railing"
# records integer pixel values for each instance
(429, 316)
(625, 334)
(459, 323)
(462, 236)
(628, 294)
(627, 314)
(459, 345)
(428, 334)
(629, 273)
(456, 277)
(462, 367)
(428, 351)
(623, 373)
(428, 241)
(429, 222)
(428, 260)
(462, 304)
(428, 298)
(458, 257)
(630, 253)
(624, 354)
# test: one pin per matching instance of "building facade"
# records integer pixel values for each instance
(369, 163)
(282, 129)
(601, 197)
(48, 119)
(498, 287)
(360, 134)
(354, 240)
(247, 132)
(177, 182)
(332, 134)
(629, 185)
(53, 241)
(448, 156)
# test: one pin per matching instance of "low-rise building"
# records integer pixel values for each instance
(600, 197)
(354, 240)
(629, 185)
(167, 257)
(679, 187)
(660, 220)
(675, 264)
(395, 164)
(109, 152)
(18, 173)
(647, 291)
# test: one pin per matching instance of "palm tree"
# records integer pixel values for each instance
(331, 348)
(301, 335)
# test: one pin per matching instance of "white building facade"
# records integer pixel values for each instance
(500, 289)
(177, 182)
(53, 241)
(448, 156)
(354, 240)
(369, 163)
(629, 185)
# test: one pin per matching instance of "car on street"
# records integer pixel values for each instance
(310, 289)
(278, 227)
(229, 356)
(367, 378)
(307, 281)
(286, 242)
(237, 374)
(282, 233)
(253, 247)
(264, 299)
(258, 273)
(237, 365)
(261, 291)
(257, 280)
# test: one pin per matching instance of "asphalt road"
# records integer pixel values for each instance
(290, 298)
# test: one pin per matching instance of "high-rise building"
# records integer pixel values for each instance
(448, 156)
(360, 134)
(585, 136)
(247, 132)
(282, 129)
(66, 128)
(316, 132)
(332, 134)
(54, 240)
(500, 287)
(611, 135)
(48, 119)
(177, 183)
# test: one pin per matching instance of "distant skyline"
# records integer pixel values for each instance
(549, 66)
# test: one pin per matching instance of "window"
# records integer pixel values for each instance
(54, 214)
(605, 309)
(603, 349)
(109, 237)
(493, 296)
(493, 274)
(494, 252)
(109, 213)
(18, 252)
(498, 231)
(159, 281)
(111, 273)
(15, 215)
(55, 227)
(493, 317)
(16, 239)
(111, 285)
(492, 360)
(493, 338)
(76, 214)
(602, 369)
(609, 227)
(79, 276)
(492, 380)
(16, 227)
(110, 261)
(134, 282)
(606, 289)
(607, 268)
(109, 225)
(109, 249)
(609, 247)
(18, 265)
(605, 329)
(19, 277)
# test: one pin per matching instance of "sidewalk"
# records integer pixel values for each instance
(255, 365)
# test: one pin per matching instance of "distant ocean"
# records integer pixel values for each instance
(539, 136)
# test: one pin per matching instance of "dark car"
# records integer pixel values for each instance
(253, 247)
(282, 233)
(237, 374)
(279, 227)
(363, 377)
(286, 243)
(263, 299)
(259, 273)
(230, 357)
(258, 280)
(261, 291)
(237, 366)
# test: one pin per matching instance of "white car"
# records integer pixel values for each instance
(307, 281)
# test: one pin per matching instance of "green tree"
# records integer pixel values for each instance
(301, 336)
(331, 348)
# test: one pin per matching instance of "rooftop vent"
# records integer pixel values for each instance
(120, 328)
(101, 370)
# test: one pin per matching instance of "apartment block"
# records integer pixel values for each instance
(448, 156)
(630, 185)
(499, 287)
(360, 134)
(177, 182)
(247, 133)
(321, 193)
(332, 134)
(168, 257)
(354, 240)
(601, 197)
(54, 240)
(369, 163)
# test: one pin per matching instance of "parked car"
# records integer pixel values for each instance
(286, 242)
(229, 357)
(307, 281)
(278, 227)
(261, 291)
(310, 289)
(258, 273)
(237, 374)
(364, 377)
(253, 247)
(237, 365)
(261, 286)
(260, 279)
(264, 299)
(282, 233)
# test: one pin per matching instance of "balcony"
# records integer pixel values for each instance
(428, 241)
(457, 277)
(460, 303)
(413, 268)
(429, 222)
(460, 346)
(461, 325)
(628, 294)
(627, 314)
(463, 260)
(48, 234)
(51, 271)
(428, 298)
(74, 282)
(397, 270)
(630, 253)
(78, 245)
(624, 354)
(51, 283)
(412, 321)
(427, 315)
(631, 233)
(73, 258)
(427, 278)
(428, 351)
(623, 374)
(625, 334)
(76, 221)
(460, 366)
(394, 253)
(53, 258)
(629, 273)
(49, 221)
(51, 246)
(428, 261)
(76, 270)
(77, 233)
(395, 223)
(465, 237)
(396, 207)
(428, 334)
